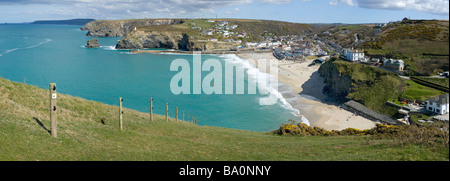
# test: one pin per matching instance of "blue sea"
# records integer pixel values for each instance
(43, 54)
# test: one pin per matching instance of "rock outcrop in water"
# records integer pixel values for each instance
(159, 39)
(116, 28)
(93, 43)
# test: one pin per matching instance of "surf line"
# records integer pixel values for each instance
(212, 82)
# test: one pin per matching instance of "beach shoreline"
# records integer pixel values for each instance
(306, 95)
(303, 87)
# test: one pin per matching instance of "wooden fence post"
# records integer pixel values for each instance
(151, 109)
(187, 118)
(183, 115)
(120, 113)
(53, 118)
(167, 111)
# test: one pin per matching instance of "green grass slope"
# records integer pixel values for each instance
(423, 45)
(88, 130)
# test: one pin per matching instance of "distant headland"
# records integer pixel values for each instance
(64, 22)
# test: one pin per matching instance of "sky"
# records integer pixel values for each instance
(299, 11)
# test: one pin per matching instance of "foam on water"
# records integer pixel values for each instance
(39, 44)
(28, 47)
(108, 47)
(255, 74)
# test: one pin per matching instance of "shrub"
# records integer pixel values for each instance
(402, 134)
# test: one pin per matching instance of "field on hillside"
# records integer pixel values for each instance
(419, 92)
(423, 45)
(89, 130)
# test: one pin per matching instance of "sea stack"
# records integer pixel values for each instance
(93, 43)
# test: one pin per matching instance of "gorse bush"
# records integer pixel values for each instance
(402, 134)
(424, 31)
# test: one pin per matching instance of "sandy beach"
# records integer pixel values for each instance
(305, 94)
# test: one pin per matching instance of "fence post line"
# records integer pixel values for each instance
(176, 113)
(167, 111)
(120, 113)
(151, 109)
(187, 118)
(183, 115)
(53, 118)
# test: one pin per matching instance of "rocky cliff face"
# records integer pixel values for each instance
(167, 40)
(115, 28)
(337, 85)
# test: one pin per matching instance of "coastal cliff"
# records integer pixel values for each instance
(366, 84)
(160, 39)
(116, 28)
(337, 84)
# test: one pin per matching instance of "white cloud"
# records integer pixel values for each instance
(347, 2)
(235, 11)
(122, 9)
(334, 2)
(275, 1)
(430, 6)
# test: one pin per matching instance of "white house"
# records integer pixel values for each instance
(438, 104)
(273, 44)
(250, 44)
(223, 23)
(262, 44)
(354, 55)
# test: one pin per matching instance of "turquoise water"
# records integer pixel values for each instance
(43, 54)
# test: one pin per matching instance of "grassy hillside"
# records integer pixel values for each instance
(416, 91)
(259, 28)
(88, 130)
(423, 45)
(344, 35)
(255, 29)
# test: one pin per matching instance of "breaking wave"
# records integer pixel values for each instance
(255, 74)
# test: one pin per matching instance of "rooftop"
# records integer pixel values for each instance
(369, 112)
(442, 99)
(355, 50)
